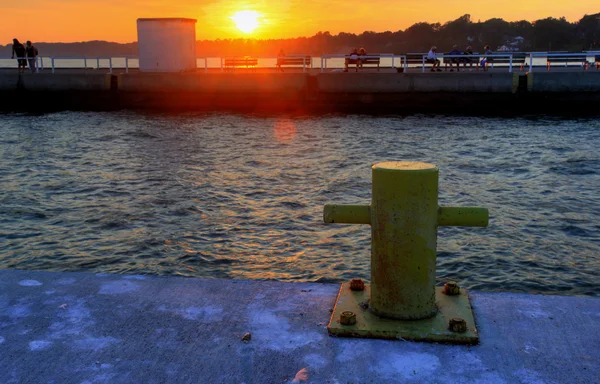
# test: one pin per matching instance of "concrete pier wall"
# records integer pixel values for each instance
(8, 82)
(564, 82)
(417, 82)
(213, 83)
(364, 83)
(243, 91)
(49, 82)
(62, 82)
(59, 91)
(365, 92)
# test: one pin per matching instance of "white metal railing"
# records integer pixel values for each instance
(584, 55)
(529, 57)
(403, 62)
(124, 62)
(479, 56)
(110, 62)
(205, 63)
(54, 59)
(324, 58)
(38, 61)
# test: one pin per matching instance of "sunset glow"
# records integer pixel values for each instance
(246, 21)
(115, 20)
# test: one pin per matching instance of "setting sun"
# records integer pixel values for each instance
(246, 21)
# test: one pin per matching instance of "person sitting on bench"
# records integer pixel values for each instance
(432, 59)
(486, 60)
(452, 60)
(353, 59)
(468, 51)
(361, 52)
(280, 57)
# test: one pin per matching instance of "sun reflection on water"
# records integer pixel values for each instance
(284, 131)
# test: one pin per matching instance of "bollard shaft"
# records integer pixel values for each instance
(463, 216)
(403, 229)
(347, 214)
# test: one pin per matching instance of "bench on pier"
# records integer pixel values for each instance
(471, 60)
(451, 61)
(517, 59)
(418, 59)
(294, 61)
(568, 61)
(415, 59)
(240, 62)
(463, 59)
(361, 61)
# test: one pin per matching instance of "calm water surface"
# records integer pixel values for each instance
(237, 196)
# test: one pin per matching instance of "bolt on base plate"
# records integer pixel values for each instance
(433, 329)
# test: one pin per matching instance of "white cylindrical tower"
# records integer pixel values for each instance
(167, 44)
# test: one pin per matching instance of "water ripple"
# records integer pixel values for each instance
(237, 196)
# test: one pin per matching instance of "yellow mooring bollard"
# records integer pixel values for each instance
(402, 300)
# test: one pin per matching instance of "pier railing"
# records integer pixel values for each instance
(82, 62)
(509, 58)
(85, 59)
(585, 56)
(532, 60)
(38, 61)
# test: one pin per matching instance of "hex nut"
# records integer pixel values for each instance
(357, 285)
(457, 325)
(347, 318)
(451, 288)
(247, 337)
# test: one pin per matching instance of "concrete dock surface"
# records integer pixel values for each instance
(99, 328)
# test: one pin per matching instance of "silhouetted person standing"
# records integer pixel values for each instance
(19, 50)
(31, 53)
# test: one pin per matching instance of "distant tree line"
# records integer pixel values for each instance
(548, 34)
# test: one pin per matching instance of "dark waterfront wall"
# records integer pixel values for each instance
(471, 93)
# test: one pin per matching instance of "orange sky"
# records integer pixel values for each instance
(115, 20)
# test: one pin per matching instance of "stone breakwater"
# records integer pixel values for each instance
(545, 92)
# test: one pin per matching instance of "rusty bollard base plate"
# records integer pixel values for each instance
(434, 329)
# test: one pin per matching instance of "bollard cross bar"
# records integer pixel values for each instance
(404, 216)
